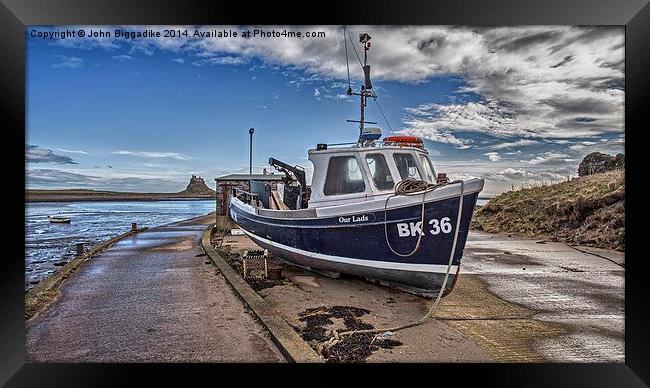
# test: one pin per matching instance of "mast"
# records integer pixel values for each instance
(366, 88)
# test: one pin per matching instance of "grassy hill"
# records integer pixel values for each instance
(589, 210)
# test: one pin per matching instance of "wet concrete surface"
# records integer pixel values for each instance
(575, 293)
(516, 300)
(433, 341)
(149, 298)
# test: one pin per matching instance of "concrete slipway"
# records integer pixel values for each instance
(151, 297)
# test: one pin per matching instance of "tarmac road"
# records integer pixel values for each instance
(149, 298)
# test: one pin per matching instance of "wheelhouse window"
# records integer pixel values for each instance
(427, 167)
(379, 171)
(343, 176)
(407, 167)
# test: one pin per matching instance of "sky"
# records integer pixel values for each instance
(517, 106)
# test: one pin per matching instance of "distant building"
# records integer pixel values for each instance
(226, 183)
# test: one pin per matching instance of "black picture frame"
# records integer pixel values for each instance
(16, 14)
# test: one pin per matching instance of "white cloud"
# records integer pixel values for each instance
(179, 60)
(551, 158)
(36, 154)
(527, 86)
(146, 154)
(324, 92)
(525, 176)
(493, 156)
(513, 144)
(71, 151)
(67, 61)
(426, 130)
(122, 58)
(226, 60)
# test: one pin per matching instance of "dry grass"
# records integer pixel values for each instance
(589, 210)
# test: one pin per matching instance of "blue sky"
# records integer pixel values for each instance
(516, 106)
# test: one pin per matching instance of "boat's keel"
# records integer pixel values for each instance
(427, 293)
(329, 274)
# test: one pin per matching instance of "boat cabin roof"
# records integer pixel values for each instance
(350, 174)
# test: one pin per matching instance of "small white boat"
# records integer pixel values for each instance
(59, 219)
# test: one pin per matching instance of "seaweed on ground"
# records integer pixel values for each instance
(260, 284)
(353, 348)
(358, 347)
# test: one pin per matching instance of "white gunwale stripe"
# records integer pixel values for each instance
(433, 268)
(319, 226)
(377, 204)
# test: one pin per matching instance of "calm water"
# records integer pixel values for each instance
(92, 222)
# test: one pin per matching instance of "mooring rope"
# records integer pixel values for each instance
(412, 185)
(408, 187)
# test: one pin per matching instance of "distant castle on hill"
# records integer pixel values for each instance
(197, 186)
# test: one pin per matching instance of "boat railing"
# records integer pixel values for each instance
(247, 197)
(376, 144)
(396, 144)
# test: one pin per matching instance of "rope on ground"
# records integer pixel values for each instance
(407, 187)
(218, 236)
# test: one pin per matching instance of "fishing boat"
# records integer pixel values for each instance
(59, 219)
(375, 208)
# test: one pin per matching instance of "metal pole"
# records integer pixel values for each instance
(363, 90)
(250, 151)
(80, 249)
(363, 94)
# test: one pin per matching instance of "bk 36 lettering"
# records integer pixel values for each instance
(435, 226)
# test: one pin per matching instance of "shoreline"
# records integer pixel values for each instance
(98, 198)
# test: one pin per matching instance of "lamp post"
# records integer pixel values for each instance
(250, 151)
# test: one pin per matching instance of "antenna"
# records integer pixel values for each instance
(366, 88)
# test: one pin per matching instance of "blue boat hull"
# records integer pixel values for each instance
(356, 243)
